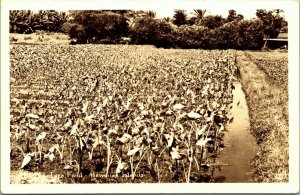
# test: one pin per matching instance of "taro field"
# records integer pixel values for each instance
(119, 114)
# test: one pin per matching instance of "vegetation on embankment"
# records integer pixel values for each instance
(41, 37)
(268, 108)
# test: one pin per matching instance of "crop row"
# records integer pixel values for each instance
(119, 110)
(274, 64)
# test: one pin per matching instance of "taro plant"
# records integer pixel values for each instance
(167, 118)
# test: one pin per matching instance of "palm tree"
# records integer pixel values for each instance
(180, 17)
(199, 14)
(167, 19)
(20, 21)
(150, 13)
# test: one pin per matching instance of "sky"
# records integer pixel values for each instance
(246, 12)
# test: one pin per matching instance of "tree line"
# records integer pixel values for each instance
(143, 27)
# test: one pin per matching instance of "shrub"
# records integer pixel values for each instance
(243, 34)
(251, 34)
(78, 33)
(228, 35)
(213, 21)
(152, 31)
(66, 27)
(93, 26)
(13, 39)
(189, 36)
(27, 38)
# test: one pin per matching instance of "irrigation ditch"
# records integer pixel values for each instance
(240, 146)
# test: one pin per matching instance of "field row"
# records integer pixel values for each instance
(116, 110)
(274, 64)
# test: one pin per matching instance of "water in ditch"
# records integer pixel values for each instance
(240, 146)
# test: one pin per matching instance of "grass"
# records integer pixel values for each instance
(39, 38)
(26, 177)
(274, 64)
(268, 111)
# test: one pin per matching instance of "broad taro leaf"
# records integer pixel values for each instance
(125, 138)
(202, 141)
(135, 131)
(222, 128)
(202, 130)
(34, 116)
(33, 127)
(139, 141)
(112, 132)
(53, 148)
(74, 129)
(193, 115)
(170, 138)
(133, 151)
(121, 166)
(175, 153)
(41, 136)
(178, 106)
(68, 124)
(51, 157)
(68, 167)
(89, 118)
(26, 160)
(85, 106)
(105, 102)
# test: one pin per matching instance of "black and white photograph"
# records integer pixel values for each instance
(168, 94)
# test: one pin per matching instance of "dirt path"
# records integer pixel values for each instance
(268, 110)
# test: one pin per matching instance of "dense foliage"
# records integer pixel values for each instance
(180, 17)
(151, 31)
(142, 27)
(94, 26)
(272, 20)
(26, 21)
